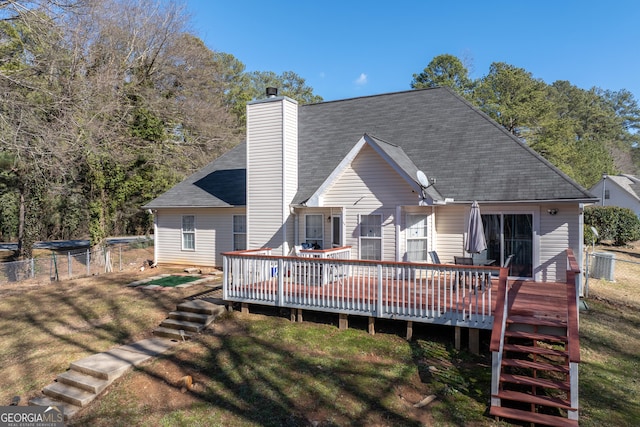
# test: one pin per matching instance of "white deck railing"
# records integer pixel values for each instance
(328, 281)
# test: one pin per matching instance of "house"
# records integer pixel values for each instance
(619, 190)
(392, 176)
(375, 184)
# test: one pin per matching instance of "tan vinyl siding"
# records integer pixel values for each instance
(214, 234)
(451, 227)
(369, 186)
(556, 235)
(271, 172)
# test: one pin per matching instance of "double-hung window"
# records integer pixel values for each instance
(313, 231)
(189, 232)
(239, 232)
(371, 237)
(416, 238)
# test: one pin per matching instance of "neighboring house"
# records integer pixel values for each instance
(347, 173)
(619, 190)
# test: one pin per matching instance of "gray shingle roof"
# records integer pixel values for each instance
(221, 183)
(629, 183)
(436, 131)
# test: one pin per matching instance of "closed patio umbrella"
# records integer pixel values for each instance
(476, 241)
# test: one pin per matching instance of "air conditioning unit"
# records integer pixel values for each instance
(602, 266)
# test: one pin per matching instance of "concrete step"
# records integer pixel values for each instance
(171, 333)
(204, 319)
(182, 324)
(68, 393)
(83, 381)
(67, 409)
(203, 307)
(110, 364)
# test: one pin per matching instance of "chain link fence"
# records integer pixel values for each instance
(622, 269)
(62, 265)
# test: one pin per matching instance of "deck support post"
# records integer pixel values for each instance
(230, 307)
(474, 341)
(409, 330)
(343, 321)
(244, 308)
(292, 315)
(456, 338)
(372, 325)
(300, 320)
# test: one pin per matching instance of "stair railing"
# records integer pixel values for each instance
(497, 334)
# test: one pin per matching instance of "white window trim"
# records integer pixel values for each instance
(183, 232)
(360, 237)
(234, 233)
(321, 239)
(409, 238)
(339, 227)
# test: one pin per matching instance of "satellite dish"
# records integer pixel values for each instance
(422, 179)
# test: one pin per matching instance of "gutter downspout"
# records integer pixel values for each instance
(397, 221)
(294, 214)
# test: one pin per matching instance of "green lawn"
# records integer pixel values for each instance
(262, 369)
(172, 281)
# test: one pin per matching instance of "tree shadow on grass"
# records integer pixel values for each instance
(46, 328)
(250, 377)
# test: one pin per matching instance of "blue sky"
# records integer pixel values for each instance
(346, 49)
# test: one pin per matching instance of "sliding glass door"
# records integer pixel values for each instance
(510, 234)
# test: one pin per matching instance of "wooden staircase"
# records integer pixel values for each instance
(535, 352)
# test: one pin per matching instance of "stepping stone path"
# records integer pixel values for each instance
(88, 377)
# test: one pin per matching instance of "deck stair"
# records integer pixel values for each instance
(534, 379)
(535, 348)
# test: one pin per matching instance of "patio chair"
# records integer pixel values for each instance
(462, 260)
(508, 261)
(434, 257)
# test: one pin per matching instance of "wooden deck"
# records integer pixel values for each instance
(538, 299)
(472, 297)
(455, 295)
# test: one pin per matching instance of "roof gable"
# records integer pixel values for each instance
(392, 154)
